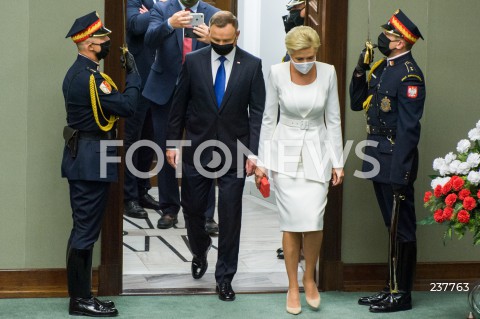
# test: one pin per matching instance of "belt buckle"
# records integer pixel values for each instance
(304, 124)
(368, 129)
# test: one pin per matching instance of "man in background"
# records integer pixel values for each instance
(166, 34)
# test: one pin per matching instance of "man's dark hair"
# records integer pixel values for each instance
(222, 18)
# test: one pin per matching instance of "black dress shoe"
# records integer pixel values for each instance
(200, 264)
(225, 291)
(147, 201)
(393, 302)
(134, 210)
(211, 227)
(280, 253)
(105, 303)
(167, 221)
(376, 298)
(90, 307)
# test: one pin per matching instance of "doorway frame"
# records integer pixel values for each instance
(330, 20)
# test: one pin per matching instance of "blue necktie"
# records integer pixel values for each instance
(220, 80)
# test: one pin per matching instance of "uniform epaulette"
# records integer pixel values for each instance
(410, 67)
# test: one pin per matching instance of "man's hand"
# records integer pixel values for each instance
(203, 32)
(250, 166)
(172, 157)
(363, 67)
(142, 9)
(259, 174)
(337, 176)
(181, 19)
(128, 61)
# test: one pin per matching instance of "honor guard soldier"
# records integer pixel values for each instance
(392, 96)
(93, 105)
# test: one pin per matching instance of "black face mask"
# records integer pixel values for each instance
(104, 50)
(292, 20)
(223, 49)
(384, 44)
(189, 3)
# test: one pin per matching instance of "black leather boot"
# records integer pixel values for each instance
(379, 296)
(406, 265)
(79, 274)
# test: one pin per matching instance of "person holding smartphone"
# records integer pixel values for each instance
(165, 34)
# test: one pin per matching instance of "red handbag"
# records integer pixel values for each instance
(265, 187)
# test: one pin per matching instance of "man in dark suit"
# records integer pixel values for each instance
(165, 34)
(219, 100)
(139, 126)
(392, 97)
(93, 105)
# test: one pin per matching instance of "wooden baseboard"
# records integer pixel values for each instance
(34, 283)
(371, 277)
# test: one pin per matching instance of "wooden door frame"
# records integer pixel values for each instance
(331, 23)
(329, 18)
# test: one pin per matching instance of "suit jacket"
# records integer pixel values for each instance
(76, 91)
(137, 25)
(168, 44)
(309, 133)
(397, 91)
(195, 109)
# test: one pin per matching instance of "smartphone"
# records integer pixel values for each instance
(197, 19)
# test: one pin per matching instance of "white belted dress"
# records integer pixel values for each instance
(301, 143)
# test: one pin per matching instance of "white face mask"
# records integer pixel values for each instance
(304, 67)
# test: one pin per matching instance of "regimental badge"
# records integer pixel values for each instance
(385, 105)
(412, 92)
(106, 87)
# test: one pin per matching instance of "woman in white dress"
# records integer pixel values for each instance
(302, 148)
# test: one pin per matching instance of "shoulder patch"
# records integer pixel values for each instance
(412, 91)
(105, 87)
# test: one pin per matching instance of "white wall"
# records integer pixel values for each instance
(261, 30)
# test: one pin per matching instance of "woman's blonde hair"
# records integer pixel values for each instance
(302, 37)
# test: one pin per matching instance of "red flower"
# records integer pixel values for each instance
(463, 216)
(447, 187)
(447, 213)
(451, 199)
(458, 183)
(469, 203)
(463, 194)
(478, 194)
(438, 191)
(438, 216)
(427, 196)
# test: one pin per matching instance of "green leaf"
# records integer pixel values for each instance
(433, 176)
(429, 220)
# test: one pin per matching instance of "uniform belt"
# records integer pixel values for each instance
(301, 124)
(110, 135)
(381, 130)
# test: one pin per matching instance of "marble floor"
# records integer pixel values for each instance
(158, 260)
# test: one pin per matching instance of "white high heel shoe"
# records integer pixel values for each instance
(293, 310)
(313, 303)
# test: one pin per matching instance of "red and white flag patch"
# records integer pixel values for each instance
(106, 87)
(412, 92)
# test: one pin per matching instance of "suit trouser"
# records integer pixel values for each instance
(195, 189)
(138, 127)
(168, 192)
(88, 200)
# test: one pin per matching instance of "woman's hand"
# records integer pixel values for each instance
(259, 174)
(337, 176)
